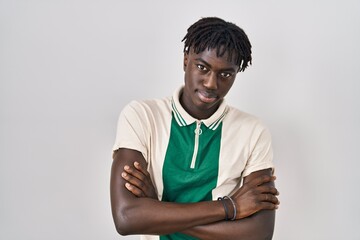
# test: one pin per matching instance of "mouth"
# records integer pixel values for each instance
(207, 97)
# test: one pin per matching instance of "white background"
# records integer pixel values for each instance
(67, 68)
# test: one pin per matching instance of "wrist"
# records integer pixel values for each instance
(232, 204)
(225, 207)
(229, 207)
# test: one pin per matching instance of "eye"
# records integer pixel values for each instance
(201, 67)
(225, 75)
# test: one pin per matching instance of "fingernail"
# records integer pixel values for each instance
(123, 174)
(136, 163)
(127, 185)
(126, 167)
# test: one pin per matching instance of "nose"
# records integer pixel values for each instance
(210, 82)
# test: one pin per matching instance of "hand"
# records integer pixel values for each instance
(255, 195)
(138, 181)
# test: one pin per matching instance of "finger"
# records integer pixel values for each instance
(134, 190)
(133, 180)
(269, 198)
(142, 169)
(268, 189)
(146, 175)
(267, 206)
(261, 180)
(134, 172)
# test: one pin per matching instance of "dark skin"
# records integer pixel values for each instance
(135, 206)
(208, 79)
(139, 183)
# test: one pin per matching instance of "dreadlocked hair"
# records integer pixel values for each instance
(225, 37)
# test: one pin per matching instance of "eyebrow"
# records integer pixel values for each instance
(230, 69)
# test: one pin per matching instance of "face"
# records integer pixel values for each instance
(208, 79)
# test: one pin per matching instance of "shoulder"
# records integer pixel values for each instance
(147, 108)
(236, 117)
(245, 125)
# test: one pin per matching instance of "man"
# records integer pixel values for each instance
(191, 166)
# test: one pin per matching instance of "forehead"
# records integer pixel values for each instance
(211, 57)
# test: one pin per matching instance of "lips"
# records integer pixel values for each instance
(207, 97)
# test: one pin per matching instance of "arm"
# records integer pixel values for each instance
(134, 215)
(257, 226)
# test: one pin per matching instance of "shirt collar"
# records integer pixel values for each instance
(183, 118)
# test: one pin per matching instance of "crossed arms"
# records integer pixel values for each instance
(136, 209)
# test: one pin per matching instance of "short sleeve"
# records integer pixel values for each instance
(132, 129)
(261, 156)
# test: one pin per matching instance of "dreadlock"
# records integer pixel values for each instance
(215, 33)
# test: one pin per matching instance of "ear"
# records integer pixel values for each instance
(186, 58)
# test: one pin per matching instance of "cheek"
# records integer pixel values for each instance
(230, 84)
(227, 86)
(191, 77)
